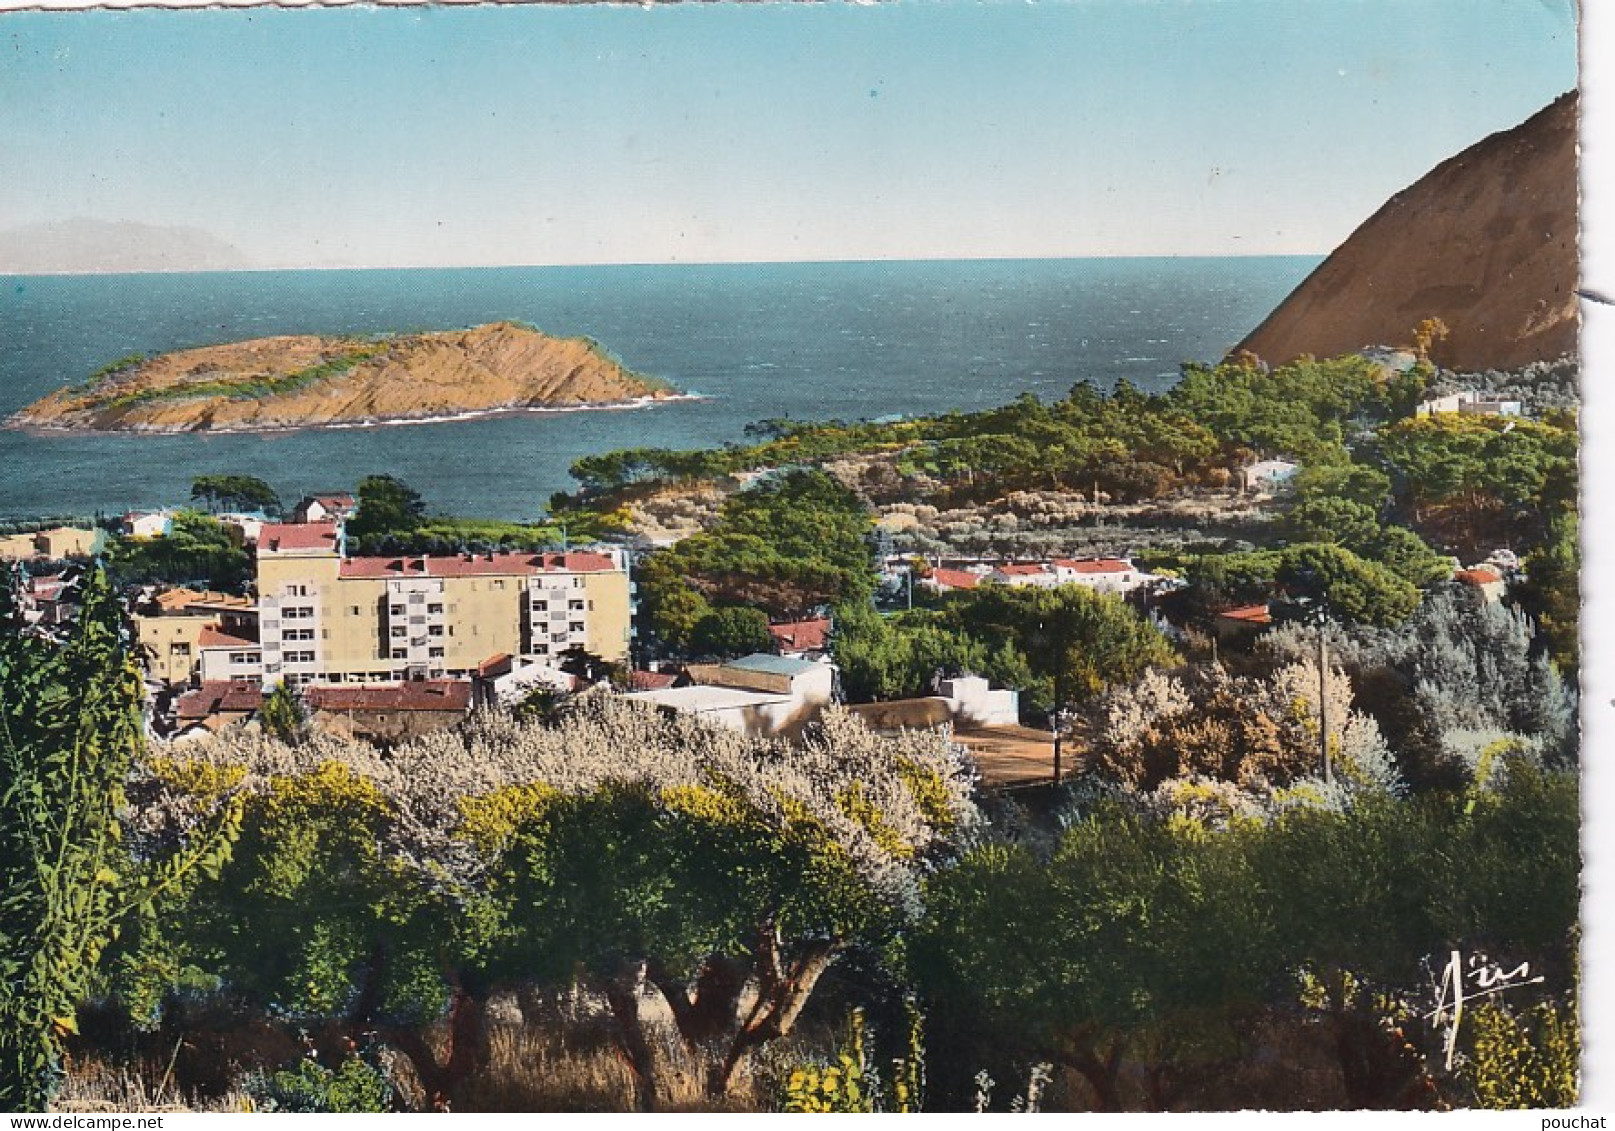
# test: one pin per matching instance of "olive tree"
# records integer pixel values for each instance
(644, 854)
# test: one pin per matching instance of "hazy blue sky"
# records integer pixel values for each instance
(722, 132)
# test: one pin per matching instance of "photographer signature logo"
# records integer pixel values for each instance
(1466, 981)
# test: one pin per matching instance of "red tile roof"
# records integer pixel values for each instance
(497, 664)
(954, 579)
(277, 536)
(1480, 575)
(237, 697)
(413, 695)
(1095, 565)
(802, 635)
(1250, 614)
(1021, 569)
(651, 681)
(501, 564)
(212, 637)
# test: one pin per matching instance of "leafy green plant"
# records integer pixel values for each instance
(70, 733)
(1528, 1059)
(354, 1087)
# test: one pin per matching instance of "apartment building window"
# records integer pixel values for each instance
(354, 610)
(541, 649)
(399, 630)
(434, 630)
(435, 610)
(576, 626)
(299, 657)
(541, 606)
(299, 634)
(435, 653)
(396, 610)
(180, 649)
(575, 606)
(297, 612)
(243, 657)
(400, 653)
(497, 583)
(577, 583)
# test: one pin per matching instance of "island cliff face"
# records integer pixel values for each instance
(299, 382)
(1486, 242)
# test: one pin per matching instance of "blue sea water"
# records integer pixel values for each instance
(808, 341)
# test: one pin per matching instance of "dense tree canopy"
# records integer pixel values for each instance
(235, 493)
(198, 550)
(788, 545)
(619, 846)
(386, 506)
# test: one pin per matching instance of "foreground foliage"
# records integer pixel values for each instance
(70, 734)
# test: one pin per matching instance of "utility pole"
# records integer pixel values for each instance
(1323, 702)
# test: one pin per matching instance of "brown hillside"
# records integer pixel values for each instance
(294, 382)
(1486, 242)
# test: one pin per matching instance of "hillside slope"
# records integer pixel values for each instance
(305, 381)
(1486, 242)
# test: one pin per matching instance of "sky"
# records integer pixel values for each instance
(722, 132)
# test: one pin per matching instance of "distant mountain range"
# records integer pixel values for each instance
(1486, 241)
(82, 246)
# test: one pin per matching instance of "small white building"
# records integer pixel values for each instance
(333, 506)
(758, 694)
(1268, 474)
(510, 679)
(1104, 575)
(148, 524)
(249, 523)
(972, 701)
(1021, 575)
(227, 658)
(1468, 402)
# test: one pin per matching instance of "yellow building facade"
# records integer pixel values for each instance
(328, 618)
(173, 627)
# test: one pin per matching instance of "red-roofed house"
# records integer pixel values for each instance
(943, 580)
(1021, 574)
(1243, 623)
(325, 508)
(299, 538)
(1106, 575)
(217, 705)
(389, 712)
(651, 681)
(798, 638)
(171, 626)
(225, 657)
(1488, 581)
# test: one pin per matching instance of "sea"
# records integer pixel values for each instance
(806, 341)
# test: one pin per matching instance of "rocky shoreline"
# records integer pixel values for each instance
(292, 383)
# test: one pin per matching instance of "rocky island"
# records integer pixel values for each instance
(271, 384)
